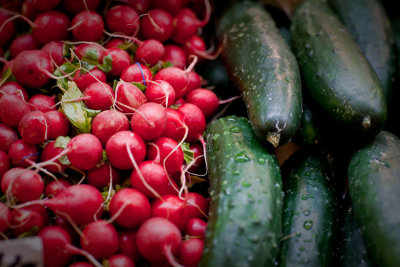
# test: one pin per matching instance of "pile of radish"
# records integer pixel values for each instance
(101, 122)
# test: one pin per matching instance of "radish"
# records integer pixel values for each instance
(7, 28)
(107, 123)
(53, 188)
(100, 176)
(7, 137)
(55, 50)
(190, 252)
(32, 68)
(176, 55)
(204, 99)
(194, 119)
(156, 179)
(122, 19)
(176, 77)
(32, 218)
(120, 60)
(169, 152)
(33, 127)
(5, 217)
(117, 152)
(4, 163)
(196, 227)
(195, 81)
(141, 6)
(58, 124)
(84, 151)
(130, 208)
(149, 121)
(158, 24)
(100, 239)
(12, 109)
(49, 152)
(44, 5)
(172, 208)
(28, 10)
(158, 240)
(22, 154)
(114, 43)
(75, 6)
(25, 185)
(176, 128)
(150, 52)
(63, 223)
(50, 26)
(172, 6)
(98, 95)
(81, 264)
(160, 92)
(127, 244)
(22, 43)
(197, 205)
(42, 103)
(128, 97)
(120, 260)
(84, 79)
(196, 46)
(198, 157)
(87, 26)
(82, 50)
(138, 73)
(13, 88)
(186, 25)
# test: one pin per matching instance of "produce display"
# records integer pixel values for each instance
(199, 133)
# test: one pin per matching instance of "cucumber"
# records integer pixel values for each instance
(340, 82)
(309, 212)
(264, 70)
(244, 223)
(374, 188)
(370, 27)
(309, 133)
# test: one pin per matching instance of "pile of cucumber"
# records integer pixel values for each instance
(324, 81)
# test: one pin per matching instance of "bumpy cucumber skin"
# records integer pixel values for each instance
(309, 212)
(264, 69)
(338, 78)
(370, 27)
(245, 223)
(374, 187)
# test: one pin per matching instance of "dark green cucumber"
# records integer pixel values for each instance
(264, 70)
(308, 213)
(374, 187)
(370, 27)
(309, 133)
(338, 78)
(244, 223)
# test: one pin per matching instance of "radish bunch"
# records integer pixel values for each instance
(101, 122)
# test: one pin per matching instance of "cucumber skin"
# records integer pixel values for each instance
(244, 223)
(374, 187)
(308, 198)
(264, 70)
(370, 27)
(338, 78)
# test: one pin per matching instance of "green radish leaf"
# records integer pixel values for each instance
(107, 64)
(141, 86)
(62, 141)
(65, 68)
(7, 77)
(67, 49)
(167, 64)
(188, 154)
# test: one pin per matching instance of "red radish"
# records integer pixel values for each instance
(22, 43)
(190, 252)
(83, 80)
(12, 109)
(186, 25)
(5, 217)
(107, 123)
(176, 55)
(82, 50)
(117, 152)
(149, 121)
(205, 99)
(156, 179)
(29, 218)
(81, 264)
(158, 240)
(100, 176)
(194, 119)
(150, 52)
(138, 73)
(13, 88)
(87, 26)
(131, 208)
(45, 5)
(128, 97)
(196, 227)
(176, 77)
(58, 124)
(120, 260)
(49, 152)
(21, 153)
(127, 244)
(63, 222)
(42, 103)
(85, 151)
(7, 137)
(172, 208)
(169, 151)
(172, 6)
(198, 157)
(33, 127)
(4, 163)
(1, 52)
(7, 29)
(176, 128)
(158, 24)
(195, 45)
(160, 92)
(55, 242)
(122, 19)
(32, 68)
(99, 95)
(75, 6)
(55, 50)
(141, 6)
(100, 239)
(195, 81)
(120, 60)
(50, 26)
(197, 205)
(28, 10)
(54, 187)
(114, 43)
